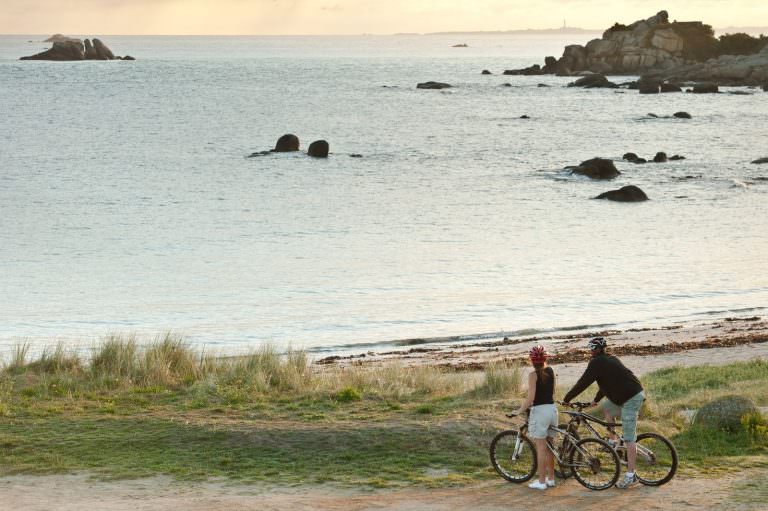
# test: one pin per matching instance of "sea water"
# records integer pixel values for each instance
(128, 203)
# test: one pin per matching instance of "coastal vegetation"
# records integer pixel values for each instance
(128, 410)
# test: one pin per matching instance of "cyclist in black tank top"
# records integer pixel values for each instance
(542, 415)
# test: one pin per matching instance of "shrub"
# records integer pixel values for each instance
(740, 44)
(348, 394)
(115, 358)
(757, 427)
(56, 360)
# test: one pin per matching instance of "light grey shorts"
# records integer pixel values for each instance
(540, 419)
(628, 412)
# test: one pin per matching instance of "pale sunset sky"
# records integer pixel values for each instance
(104, 17)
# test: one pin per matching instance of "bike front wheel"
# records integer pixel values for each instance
(513, 456)
(594, 464)
(656, 459)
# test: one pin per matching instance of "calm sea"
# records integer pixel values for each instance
(128, 205)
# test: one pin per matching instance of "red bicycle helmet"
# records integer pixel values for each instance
(538, 354)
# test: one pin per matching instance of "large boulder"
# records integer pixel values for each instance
(318, 149)
(596, 168)
(648, 87)
(593, 81)
(61, 51)
(629, 193)
(724, 413)
(286, 144)
(660, 157)
(761, 160)
(682, 115)
(705, 88)
(102, 51)
(433, 85)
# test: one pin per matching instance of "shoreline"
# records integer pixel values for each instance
(731, 338)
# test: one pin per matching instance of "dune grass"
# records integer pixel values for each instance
(131, 410)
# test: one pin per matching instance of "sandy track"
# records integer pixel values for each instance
(77, 493)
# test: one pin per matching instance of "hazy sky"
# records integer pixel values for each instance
(103, 17)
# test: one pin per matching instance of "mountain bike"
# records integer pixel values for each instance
(656, 462)
(592, 461)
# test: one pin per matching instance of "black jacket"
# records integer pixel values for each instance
(615, 381)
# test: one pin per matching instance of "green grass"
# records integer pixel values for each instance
(130, 411)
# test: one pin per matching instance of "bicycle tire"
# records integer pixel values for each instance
(602, 459)
(662, 455)
(517, 469)
(563, 471)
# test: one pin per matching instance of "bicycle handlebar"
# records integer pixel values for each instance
(576, 404)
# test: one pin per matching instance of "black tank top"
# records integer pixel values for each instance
(545, 389)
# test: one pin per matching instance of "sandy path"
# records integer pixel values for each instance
(70, 493)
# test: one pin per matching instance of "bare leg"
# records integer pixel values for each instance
(541, 454)
(550, 465)
(610, 418)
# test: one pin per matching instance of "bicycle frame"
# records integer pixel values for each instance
(564, 434)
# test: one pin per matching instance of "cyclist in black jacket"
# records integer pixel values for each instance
(625, 397)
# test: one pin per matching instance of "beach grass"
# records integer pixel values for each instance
(131, 410)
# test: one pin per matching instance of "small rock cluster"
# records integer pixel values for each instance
(289, 143)
(68, 49)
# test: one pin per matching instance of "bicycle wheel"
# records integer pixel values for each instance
(656, 459)
(594, 464)
(563, 470)
(513, 456)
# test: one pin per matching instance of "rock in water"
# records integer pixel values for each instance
(318, 149)
(61, 51)
(705, 88)
(648, 86)
(629, 193)
(724, 413)
(660, 157)
(286, 144)
(486, 72)
(596, 168)
(102, 51)
(682, 115)
(594, 81)
(629, 156)
(670, 87)
(761, 160)
(433, 85)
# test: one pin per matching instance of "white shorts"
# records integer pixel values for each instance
(540, 419)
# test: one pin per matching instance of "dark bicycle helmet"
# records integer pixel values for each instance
(538, 354)
(597, 343)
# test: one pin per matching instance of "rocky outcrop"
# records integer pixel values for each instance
(629, 193)
(74, 49)
(663, 50)
(596, 168)
(724, 70)
(287, 143)
(433, 85)
(318, 149)
(61, 51)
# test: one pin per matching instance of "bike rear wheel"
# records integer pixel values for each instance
(656, 459)
(563, 471)
(594, 463)
(513, 456)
